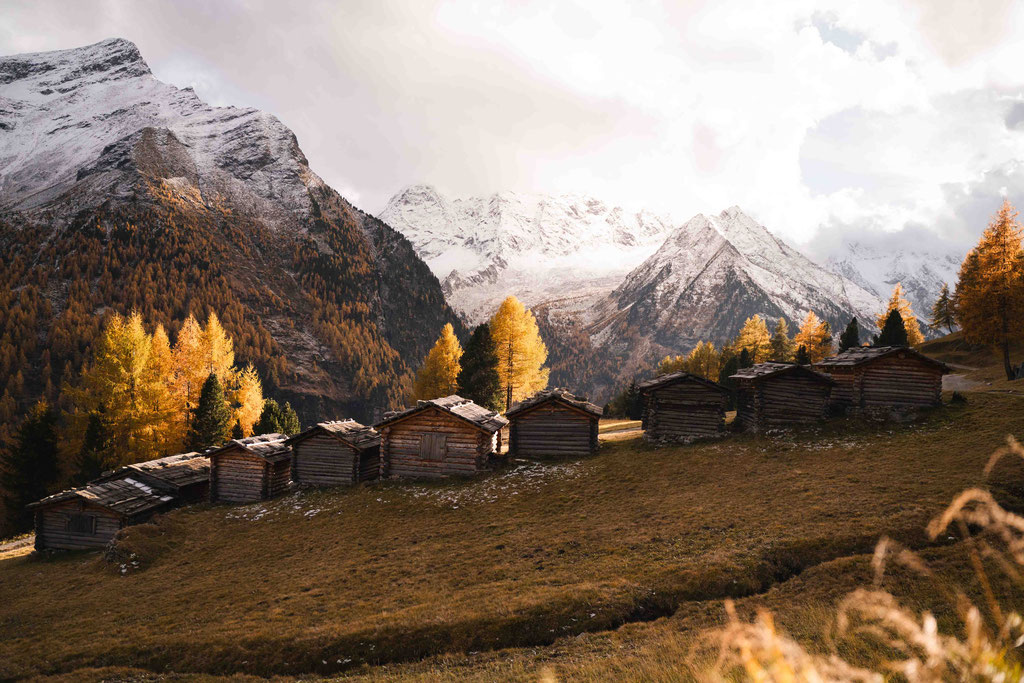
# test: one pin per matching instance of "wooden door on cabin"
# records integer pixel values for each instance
(433, 447)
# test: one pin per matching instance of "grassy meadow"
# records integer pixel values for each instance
(609, 566)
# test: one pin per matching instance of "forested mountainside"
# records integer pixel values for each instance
(118, 191)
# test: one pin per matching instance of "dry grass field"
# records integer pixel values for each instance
(595, 568)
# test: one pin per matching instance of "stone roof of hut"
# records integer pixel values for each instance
(772, 369)
(673, 377)
(561, 395)
(125, 496)
(351, 432)
(462, 408)
(859, 355)
(270, 447)
(174, 470)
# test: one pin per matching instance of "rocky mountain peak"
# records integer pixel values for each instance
(52, 74)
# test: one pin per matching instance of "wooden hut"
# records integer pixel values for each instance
(250, 469)
(440, 437)
(186, 476)
(553, 423)
(770, 395)
(89, 516)
(680, 406)
(335, 453)
(884, 378)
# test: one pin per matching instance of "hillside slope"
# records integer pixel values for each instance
(120, 191)
(327, 581)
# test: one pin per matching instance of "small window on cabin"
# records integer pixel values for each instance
(433, 446)
(82, 524)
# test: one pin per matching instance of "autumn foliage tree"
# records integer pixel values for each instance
(521, 351)
(898, 302)
(990, 292)
(439, 374)
(815, 336)
(755, 338)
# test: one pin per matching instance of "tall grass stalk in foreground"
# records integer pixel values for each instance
(986, 646)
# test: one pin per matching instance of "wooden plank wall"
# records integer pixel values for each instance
(369, 464)
(551, 430)
(900, 382)
(237, 477)
(468, 449)
(323, 460)
(686, 410)
(52, 527)
(279, 475)
(791, 399)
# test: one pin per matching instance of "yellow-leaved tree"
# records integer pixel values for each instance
(670, 364)
(704, 361)
(167, 404)
(247, 397)
(521, 351)
(218, 350)
(189, 366)
(989, 297)
(815, 336)
(439, 374)
(899, 302)
(755, 338)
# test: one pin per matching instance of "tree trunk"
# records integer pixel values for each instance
(1006, 358)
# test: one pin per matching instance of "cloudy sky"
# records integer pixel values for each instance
(824, 120)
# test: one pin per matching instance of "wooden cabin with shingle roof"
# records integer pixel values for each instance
(338, 453)
(774, 395)
(251, 469)
(680, 406)
(553, 423)
(884, 378)
(440, 437)
(186, 475)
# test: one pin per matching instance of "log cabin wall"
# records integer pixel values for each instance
(278, 475)
(683, 411)
(238, 477)
(552, 429)
(897, 382)
(845, 392)
(324, 460)
(75, 525)
(431, 443)
(791, 399)
(369, 464)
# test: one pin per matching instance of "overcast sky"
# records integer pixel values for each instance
(822, 119)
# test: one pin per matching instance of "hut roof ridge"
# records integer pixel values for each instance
(463, 408)
(556, 394)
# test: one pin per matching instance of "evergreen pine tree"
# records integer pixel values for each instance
(478, 379)
(893, 333)
(236, 431)
(943, 314)
(634, 402)
(850, 338)
(745, 358)
(211, 421)
(781, 346)
(29, 470)
(95, 457)
(802, 356)
(729, 368)
(277, 419)
(900, 303)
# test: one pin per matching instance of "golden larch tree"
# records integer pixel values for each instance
(521, 351)
(439, 374)
(670, 364)
(755, 338)
(815, 335)
(218, 350)
(899, 302)
(704, 361)
(190, 365)
(989, 296)
(166, 402)
(247, 398)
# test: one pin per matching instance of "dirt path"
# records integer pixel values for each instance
(19, 546)
(959, 382)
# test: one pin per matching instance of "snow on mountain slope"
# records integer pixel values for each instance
(921, 271)
(711, 274)
(73, 118)
(534, 246)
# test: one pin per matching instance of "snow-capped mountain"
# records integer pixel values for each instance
(921, 271)
(710, 275)
(538, 247)
(95, 151)
(73, 120)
